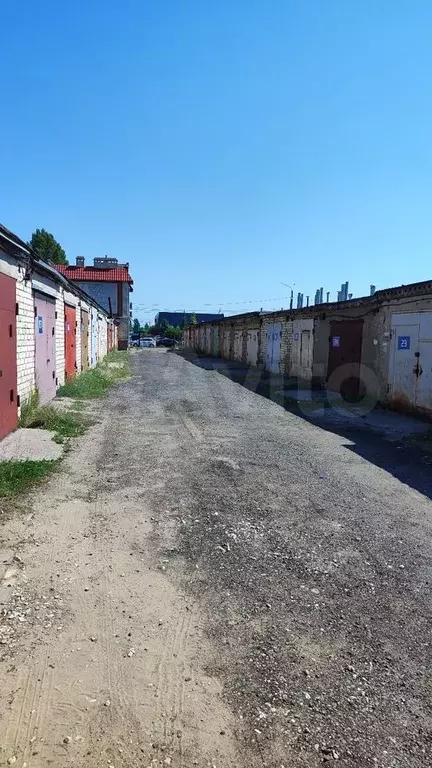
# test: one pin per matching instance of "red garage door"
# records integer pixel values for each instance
(344, 360)
(8, 353)
(70, 343)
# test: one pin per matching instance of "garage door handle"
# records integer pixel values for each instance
(1, 374)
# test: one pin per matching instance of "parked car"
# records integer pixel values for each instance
(167, 342)
(147, 341)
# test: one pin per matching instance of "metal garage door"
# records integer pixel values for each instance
(410, 375)
(70, 342)
(84, 340)
(273, 342)
(344, 360)
(45, 347)
(8, 353)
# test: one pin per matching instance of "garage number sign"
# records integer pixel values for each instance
(404, 342)
(40, 324)
(335, 341)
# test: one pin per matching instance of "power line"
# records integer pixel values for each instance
(215, 304)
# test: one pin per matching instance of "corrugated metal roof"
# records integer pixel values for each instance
(95, 274)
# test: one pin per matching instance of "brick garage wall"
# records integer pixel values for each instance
(86, 308)
(60, 339)
(376, 348)
(262, 340)
(323, 322)
(78, 337)
(25, 338)
(286, 345)
(103, 342)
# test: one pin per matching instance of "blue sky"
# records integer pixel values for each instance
(223, 147)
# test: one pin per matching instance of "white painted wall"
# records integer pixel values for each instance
(103, 336)
(78, 338)
(8, 265)
(25, 338)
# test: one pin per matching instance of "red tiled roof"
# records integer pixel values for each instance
(114, 275)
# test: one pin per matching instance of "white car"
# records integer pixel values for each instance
(147, 341)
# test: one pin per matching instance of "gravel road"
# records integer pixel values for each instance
(212, 581)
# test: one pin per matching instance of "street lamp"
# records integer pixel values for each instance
(287, 285)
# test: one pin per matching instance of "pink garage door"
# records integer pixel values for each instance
(45, 366)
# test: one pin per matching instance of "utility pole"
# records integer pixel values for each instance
(287, 285)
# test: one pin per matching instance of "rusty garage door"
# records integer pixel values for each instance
(45, 347)
(8, 353)
(84, 340)
(70, 343)
(344, 360)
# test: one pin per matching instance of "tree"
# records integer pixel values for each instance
(192, 319)
(163, 325)
(136, 326)
(173, 332)
(47, 247)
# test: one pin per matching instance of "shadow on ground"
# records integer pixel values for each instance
(401, 445)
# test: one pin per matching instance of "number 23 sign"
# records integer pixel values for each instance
(404, 342)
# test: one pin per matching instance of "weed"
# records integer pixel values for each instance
(29, 409)
(79, 405)
(89, 384)
(18, 476)
(96, 381)
(117, 355)
(63, 423)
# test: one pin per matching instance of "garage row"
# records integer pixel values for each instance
(379, 347)
(50, 330)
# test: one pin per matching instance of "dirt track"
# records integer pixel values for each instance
(212, 581)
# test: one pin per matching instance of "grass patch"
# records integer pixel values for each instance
(79, 405)
(63, 423)
(18, 476)
(96, 381)
(117, 356)
(29, 408)
(89, 384)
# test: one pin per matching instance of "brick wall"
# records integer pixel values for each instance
(26, 383)
(103, 336)
(286, 346)
(78, 337)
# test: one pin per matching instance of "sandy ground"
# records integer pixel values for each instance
(212, 581)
